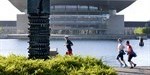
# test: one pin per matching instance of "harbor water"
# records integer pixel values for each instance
(103, 49)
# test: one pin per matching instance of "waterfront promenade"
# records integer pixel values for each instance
(76, 37)
(139, 70)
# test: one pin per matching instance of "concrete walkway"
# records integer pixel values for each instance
(139, 70)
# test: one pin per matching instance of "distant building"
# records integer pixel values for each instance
(80, 17)
(131, 25)
(8, 27)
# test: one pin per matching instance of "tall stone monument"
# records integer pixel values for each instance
(39, 32)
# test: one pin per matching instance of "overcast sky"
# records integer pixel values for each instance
(138, 11)
(7, 10)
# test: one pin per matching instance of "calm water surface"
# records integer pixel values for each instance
(105, 49)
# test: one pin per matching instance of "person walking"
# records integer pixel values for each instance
(121, 53)
(131, 54)
(68, 44)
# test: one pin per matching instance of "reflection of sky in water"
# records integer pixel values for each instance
(105, 49)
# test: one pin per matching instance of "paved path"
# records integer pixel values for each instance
(139, 70)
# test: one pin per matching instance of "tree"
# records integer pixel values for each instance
(139, 31)
(142, 31)
(146, 30)
(1, 29)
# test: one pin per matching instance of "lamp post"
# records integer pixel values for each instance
(39, 32)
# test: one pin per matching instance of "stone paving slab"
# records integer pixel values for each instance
(139, 70)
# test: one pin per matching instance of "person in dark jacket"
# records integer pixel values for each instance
(68, 44)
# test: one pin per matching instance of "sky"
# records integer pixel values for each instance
(138, 11)
(8, 11)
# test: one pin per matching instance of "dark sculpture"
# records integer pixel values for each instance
(39, 32)
(141, 43)
(40, 7)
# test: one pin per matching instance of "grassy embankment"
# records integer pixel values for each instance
(59, 65)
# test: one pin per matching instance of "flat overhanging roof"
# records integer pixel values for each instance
(103, 4)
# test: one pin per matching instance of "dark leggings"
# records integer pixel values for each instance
(69, 47)
(69, 52)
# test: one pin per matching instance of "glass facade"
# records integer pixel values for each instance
(78, 20)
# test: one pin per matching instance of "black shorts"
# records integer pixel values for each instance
(130, 57)
(120, 56)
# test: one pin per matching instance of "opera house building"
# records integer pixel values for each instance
(79, 17)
